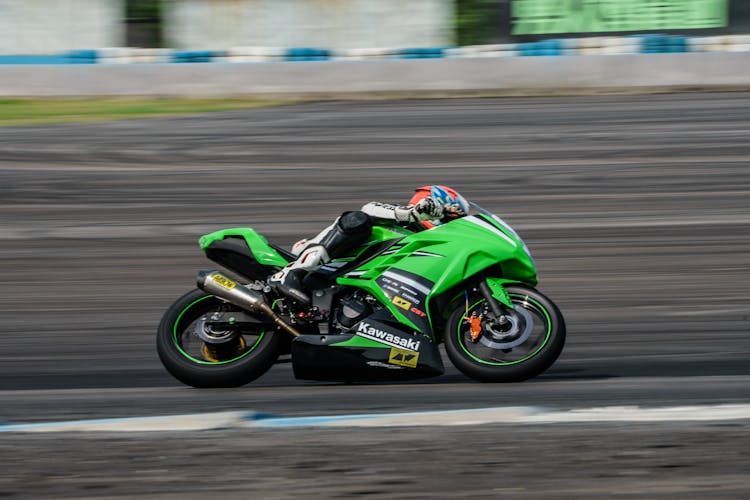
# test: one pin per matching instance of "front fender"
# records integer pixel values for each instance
(499, 293)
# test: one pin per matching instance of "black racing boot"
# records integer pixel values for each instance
(291, 285)
(288, 281)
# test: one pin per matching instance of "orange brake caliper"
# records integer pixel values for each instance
(475, 326)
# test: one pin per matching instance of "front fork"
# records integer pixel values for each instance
(494, 293)
(496, 305)
(493, 290)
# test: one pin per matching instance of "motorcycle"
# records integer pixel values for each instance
(378, 313)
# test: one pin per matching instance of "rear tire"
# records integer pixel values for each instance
(536, 335)
(187, 358)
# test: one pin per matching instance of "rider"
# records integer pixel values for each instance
(430, 206)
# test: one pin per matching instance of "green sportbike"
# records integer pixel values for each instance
(379, 313)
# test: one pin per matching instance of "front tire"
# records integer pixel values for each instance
(186, 357)
(526, 345)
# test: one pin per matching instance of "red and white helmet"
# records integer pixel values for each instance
(454, 205)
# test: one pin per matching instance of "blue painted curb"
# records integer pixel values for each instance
(542, 48)
(307, 54)
(662, 44)
(651, 43)
(421, 53)
(34, 59)
(312, 421)
(194, 56)
(83, 56)
(501, 415)
(306, 58)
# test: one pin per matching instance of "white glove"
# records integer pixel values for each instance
(428, 209)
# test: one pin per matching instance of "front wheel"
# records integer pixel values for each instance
(205, 342)
(520, 346)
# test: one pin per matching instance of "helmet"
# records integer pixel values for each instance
(454, 205)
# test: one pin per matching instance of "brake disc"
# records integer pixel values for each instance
(516, 333)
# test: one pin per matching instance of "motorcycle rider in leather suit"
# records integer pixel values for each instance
(430, 206)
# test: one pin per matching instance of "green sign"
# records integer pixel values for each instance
(537, 17)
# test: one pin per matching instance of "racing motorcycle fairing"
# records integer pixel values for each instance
(425, 269)
(374, 349)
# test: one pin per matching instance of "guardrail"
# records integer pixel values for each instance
(633, 44)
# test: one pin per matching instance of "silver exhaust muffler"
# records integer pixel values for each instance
(217, 284)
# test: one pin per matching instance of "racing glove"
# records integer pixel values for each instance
(428, 209)
(425, 209)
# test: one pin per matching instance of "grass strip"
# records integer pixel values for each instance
(43, 111)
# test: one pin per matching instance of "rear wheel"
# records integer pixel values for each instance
(205, 342)
(517, 347)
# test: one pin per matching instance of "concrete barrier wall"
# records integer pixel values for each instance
(53, 26)
(334, 24)
(518, 74)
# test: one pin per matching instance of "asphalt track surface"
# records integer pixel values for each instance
(636, 209)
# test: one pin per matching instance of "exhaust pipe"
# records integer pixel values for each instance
(217, 284)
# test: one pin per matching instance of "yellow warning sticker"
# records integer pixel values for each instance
(224, 282)
(402, 357)
(402, 303)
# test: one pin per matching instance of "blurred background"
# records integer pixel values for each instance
(51, 26)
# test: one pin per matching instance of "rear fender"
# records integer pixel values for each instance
(242, 251)
(264, 253)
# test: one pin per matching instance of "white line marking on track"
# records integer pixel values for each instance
(524, 415)
(194, 422)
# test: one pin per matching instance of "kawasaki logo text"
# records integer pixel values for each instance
(368, 332)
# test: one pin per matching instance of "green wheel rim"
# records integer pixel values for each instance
(203, 361)
(547, 336)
